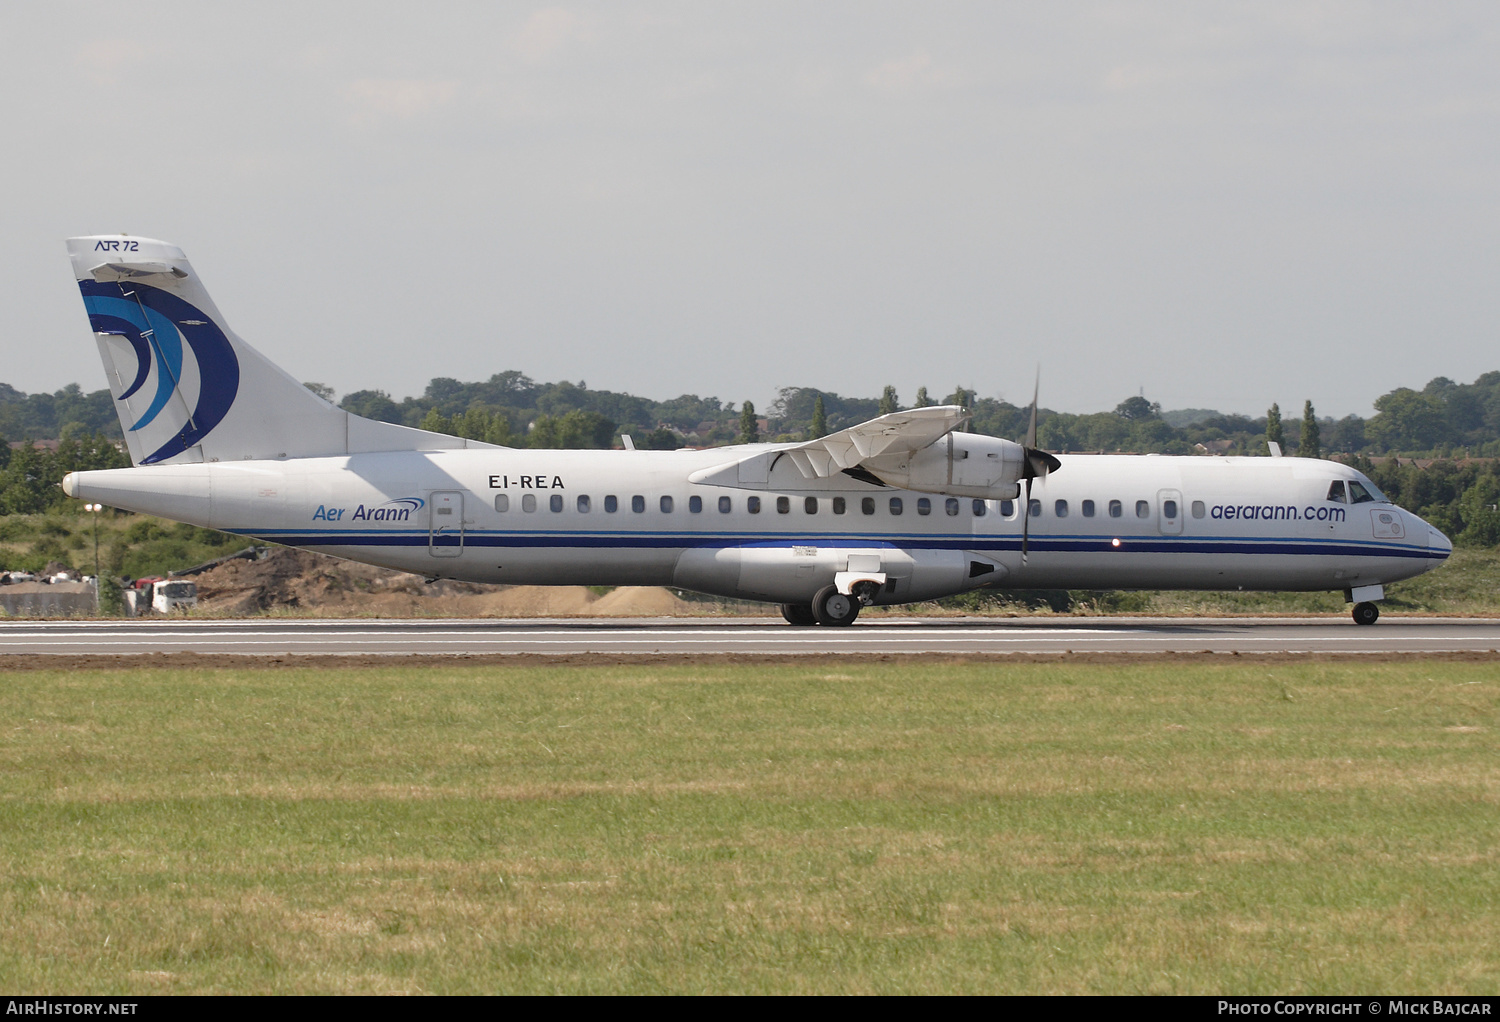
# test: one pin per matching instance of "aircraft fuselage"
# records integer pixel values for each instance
(635, 518)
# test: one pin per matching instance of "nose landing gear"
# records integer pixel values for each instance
(1366, 613)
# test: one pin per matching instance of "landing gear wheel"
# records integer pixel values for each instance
(1366, 613)
(798, 614)
(832, 607)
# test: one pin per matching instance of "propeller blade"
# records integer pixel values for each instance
(1026, 522)
(1031, 430)
(1038, 463)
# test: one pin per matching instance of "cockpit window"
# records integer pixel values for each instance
(1358, 494)
(1336, 491)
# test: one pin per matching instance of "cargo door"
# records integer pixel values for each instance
(445, 533)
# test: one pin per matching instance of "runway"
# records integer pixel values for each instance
(752, 636)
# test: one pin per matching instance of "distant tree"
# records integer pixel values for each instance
(888, 401)
(24, 490)
(749, 428)
(819, 425)
(372, 404)
(577, 430)
(436, 422)
(1348, 435)
(659, 439)
(1406, 421)
(922, 399)
(323, 390)
(1273, 426)
(1137, 409)
(482, 424)
(961, 396)
(1309, 446)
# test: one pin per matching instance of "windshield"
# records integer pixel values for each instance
(177, 589)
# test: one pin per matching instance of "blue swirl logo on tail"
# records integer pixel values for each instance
(155, 323)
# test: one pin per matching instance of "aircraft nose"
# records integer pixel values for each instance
(1438, 544)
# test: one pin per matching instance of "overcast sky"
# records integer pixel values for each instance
(1223, 204)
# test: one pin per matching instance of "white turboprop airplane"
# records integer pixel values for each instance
(898, 509)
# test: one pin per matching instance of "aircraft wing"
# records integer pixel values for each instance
(897, 433)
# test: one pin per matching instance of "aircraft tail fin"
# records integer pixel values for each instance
(187, 388)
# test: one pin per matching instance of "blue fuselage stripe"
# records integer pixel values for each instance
(660, 540)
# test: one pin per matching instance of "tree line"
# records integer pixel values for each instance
(1459, 424)
(1443, 419)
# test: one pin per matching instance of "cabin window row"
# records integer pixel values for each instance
(950, 506)
(1114, 508)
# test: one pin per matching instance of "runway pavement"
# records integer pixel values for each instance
(758, 636)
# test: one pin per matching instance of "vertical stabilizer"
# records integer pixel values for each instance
(187, 389)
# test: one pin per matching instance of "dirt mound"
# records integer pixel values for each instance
(640, 601)
(301, 581)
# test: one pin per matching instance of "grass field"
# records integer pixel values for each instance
(1208, 825)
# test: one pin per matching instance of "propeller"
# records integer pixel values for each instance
(1038, 463)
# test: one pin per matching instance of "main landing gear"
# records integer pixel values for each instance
(830, 607)
(798, 614)
(1366, 613)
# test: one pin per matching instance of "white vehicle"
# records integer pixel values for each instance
(899, 509)
(161, 595)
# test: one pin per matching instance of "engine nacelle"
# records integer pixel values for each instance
(958, 465)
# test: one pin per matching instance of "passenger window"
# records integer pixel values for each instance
(896, 506)
(528, 502)
(752, 504)
(583, 504)
(725, 505)
(1088, 508)
(1198, 509)
(502, 502)
(1035, 507)
(810, 505)
(980, 509)
(666, 505)
(924, 506)
(1336, 491)
(867, 505)
(839, 506)
(1060, 509)
(1358, 494)
(1007, 508)
(1169, 509)
(783, 505)
(951, 506)
(555, 502)
(1143, 509)
(1115, 509)
(638, 504)
(611, 504)
(695, 505)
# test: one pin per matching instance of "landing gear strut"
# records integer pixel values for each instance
(832, 607)
(798, 614)
(1366, 613)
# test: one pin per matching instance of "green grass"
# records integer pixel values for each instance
(1208, 826)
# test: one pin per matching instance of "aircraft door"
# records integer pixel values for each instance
(1169, 512)
(445, 534)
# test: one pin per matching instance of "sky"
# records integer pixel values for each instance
(1218, 205)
